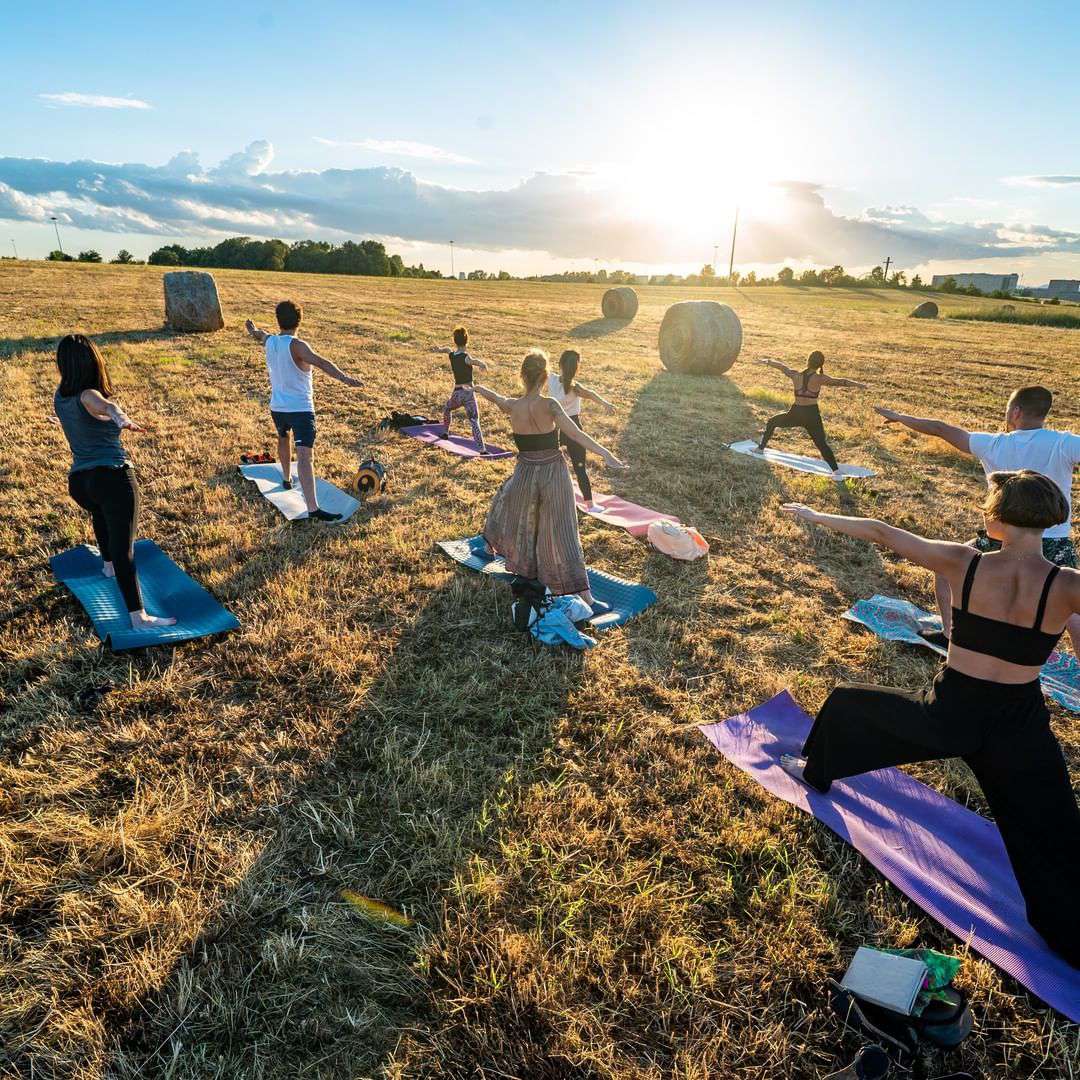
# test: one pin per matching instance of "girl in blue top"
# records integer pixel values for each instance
(101, 479)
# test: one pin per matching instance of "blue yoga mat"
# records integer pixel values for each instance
(166, 590)
(948, 859)
(900, 620)
(626, 598)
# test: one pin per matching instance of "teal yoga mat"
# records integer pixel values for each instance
(625, 598)
(166, 590)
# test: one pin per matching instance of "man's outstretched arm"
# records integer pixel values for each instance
(303, 352)
(259, 335)
(953, 435)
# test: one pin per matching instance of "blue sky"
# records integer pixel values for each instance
(553, 134)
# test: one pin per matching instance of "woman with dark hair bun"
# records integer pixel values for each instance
(986, 704)
(805, 413)
(101, 479)
(568, 392)
(533, 519)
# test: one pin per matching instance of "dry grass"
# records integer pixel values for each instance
(596, 893)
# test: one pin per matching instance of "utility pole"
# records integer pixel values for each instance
(734, 233)
(888, 263)
(57, 228)
(14, 248)
(715, 249)
(452, 274)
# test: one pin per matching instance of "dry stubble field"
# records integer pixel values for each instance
(596, 892)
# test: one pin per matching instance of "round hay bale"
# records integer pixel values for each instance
(619, 303)
(926, 310)
(700, 337)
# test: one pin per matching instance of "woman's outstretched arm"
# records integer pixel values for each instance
(572, 431)
(830, 381)
(938, 555)
(592, 395)
(503, 403)
(789, 372)
(100, 407)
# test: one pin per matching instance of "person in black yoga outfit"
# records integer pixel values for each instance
(101, 479)
(805, 412)
(986, 704)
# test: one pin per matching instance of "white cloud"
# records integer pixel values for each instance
(570, 217)
(95, 101)
(399, 148)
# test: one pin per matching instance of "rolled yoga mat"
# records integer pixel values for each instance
(290, 501)
(900, 620)
(432, 434)
(166, 590)
(799, 462)
(948, 859)
(625, 598)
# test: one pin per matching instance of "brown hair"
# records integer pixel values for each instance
(534, 369)
(1034, 401)
(461, 337)
(568, 365)
(82, 367)
(289, 313)
(815, 361)
(1025, 500)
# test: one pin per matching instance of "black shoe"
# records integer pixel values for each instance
(871, 1063)
(322, 515)
(287, 485)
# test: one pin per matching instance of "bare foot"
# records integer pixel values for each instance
(141, 621)
(107, 569)
(793, 765)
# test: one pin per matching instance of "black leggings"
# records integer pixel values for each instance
(578, 453)
(111, 497)
(804, 416)
(1003, 733)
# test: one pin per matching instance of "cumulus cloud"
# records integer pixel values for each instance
(1061, 180)
(94, 101)
(563, 215)
(400, 148)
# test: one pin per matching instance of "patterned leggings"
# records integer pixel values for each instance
(463, 397)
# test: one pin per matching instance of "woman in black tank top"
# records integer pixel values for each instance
(986, 704)
(533, 518)
(805, 413)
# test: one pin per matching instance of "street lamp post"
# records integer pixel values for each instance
(452, 274)
(734, 233)
(14, 248)
(56, 226)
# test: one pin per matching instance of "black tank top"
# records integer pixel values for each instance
(545, 440)
(462, 369)
(1028, 646)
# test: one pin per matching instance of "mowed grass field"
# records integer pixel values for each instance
(595, 892)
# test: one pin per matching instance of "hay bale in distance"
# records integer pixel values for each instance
(191, 301)
(926, 310)
(619, 303)
(700, 337)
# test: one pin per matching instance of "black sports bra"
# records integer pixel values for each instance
(806, 392)
(544, 440)
(1028, 646)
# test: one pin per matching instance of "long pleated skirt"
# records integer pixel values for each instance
(1003, 733)
(533, 525)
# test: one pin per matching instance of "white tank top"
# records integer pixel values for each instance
(571, 403)
(290, 388)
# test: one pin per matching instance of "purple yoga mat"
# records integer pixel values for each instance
(432, 434)
(946, 858)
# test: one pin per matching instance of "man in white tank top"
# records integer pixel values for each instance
(290, 363)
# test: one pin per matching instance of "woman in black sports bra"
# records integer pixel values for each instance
(805, 412)
(533, 518)
(986, 704)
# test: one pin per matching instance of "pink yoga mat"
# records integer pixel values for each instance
(432, 434)
(626, 515)
(948, 859)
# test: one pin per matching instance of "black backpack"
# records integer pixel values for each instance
(529, 596)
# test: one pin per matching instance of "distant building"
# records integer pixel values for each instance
(1063, 289)
(986, 283)
(461, 275)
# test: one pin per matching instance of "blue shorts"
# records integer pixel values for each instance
(301, 424)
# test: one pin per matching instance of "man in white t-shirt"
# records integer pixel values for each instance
(1026, 443)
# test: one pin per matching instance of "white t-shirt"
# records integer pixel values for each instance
(1053, 453)
(571, 403)
(290, 388)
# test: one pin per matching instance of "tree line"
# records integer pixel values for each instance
(368, 257)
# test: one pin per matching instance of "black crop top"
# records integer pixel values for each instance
(462, 369)
(1026, 645)
(806, 391)
(544, 440)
